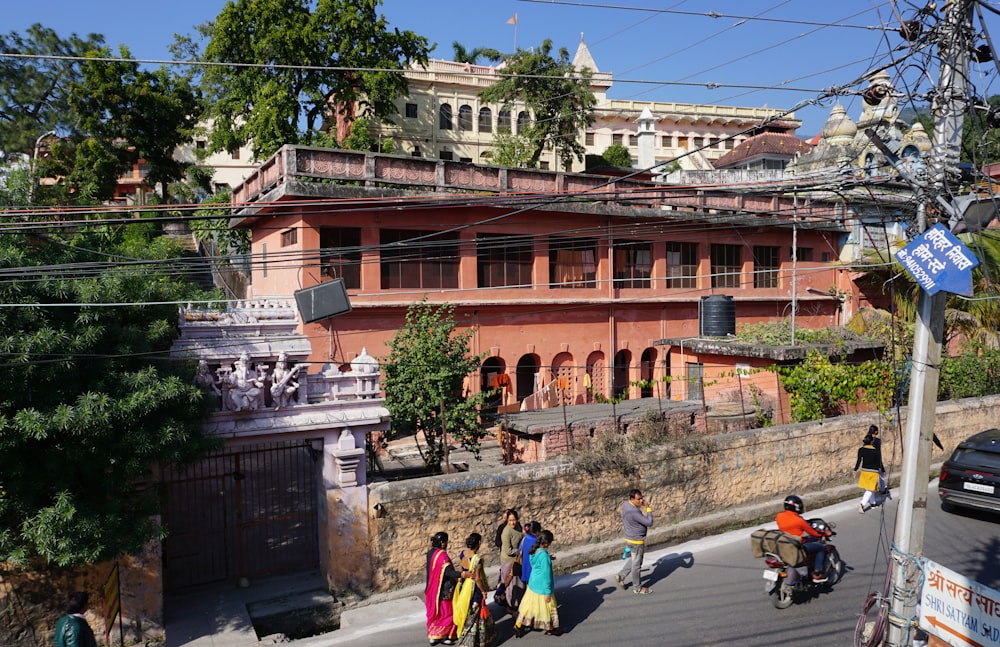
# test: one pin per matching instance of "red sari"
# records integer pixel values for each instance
(441, 577)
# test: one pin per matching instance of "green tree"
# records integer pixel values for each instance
(296, 63)
(510, 150)
(818, 388)
(86, 411)
(424, 377)
(557, 95)
(617, 155)
(34, 92)
(215, 232)
(136, 114)
(360, 138)
(980, 131)
(472, 56)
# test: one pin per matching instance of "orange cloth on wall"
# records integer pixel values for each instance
(501, 381)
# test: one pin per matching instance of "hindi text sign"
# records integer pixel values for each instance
(957, 610)
(937, 261)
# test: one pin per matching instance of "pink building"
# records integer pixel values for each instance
(562, 275)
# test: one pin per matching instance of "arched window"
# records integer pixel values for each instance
(485, 120)
(444, 116)
(503, 121)
(465, 118)
(523, 121)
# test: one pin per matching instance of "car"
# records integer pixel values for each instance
(970, 478)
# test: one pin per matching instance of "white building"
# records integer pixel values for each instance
(443, 117)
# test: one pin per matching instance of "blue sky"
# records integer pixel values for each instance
(681, 55)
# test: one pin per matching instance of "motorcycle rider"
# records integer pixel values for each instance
(790, 521)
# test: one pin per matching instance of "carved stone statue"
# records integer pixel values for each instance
(284, 384)
(204, 379)
(246, 386)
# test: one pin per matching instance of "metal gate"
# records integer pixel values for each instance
(244, 512)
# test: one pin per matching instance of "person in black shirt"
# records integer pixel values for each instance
(869, 471)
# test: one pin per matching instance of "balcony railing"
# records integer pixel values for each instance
(308, 164)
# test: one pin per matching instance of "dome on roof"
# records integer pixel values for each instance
(918, 136)
(364, 363)
(838, 127)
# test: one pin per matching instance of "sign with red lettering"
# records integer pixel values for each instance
(957, 610)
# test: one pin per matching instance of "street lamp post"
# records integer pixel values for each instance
(34, 161)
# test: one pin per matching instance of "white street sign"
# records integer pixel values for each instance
(957, 610)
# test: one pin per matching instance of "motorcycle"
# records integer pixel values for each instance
(784, 580)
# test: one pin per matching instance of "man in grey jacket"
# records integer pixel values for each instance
(637, 517)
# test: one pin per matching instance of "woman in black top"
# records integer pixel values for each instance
(871, 469)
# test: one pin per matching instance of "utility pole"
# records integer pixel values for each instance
(33, 163)
(954, 46)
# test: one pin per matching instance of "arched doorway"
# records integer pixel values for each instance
(562, 369)
(594, 380)
(619, 377)
(527, 368)
(666, 376)
(492, 368)
(647, 372)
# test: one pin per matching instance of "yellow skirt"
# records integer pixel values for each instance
(868, 481)
(536, 613)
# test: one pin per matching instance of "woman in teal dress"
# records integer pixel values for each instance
(538, 606)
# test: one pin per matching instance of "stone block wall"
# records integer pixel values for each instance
(32, 601)
(694, 476)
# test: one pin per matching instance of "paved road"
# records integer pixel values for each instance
(710, 592)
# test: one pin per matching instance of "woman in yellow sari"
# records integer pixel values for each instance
(472, 616)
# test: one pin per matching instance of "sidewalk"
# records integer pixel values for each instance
(220, 617)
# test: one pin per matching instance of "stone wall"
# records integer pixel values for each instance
(695, 476)
(32, 601)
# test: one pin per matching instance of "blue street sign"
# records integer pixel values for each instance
(937, 260)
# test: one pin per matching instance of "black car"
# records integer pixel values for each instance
(971, 476)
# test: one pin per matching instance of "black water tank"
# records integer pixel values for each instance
(717, 316)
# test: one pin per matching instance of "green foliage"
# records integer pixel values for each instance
(557, 95)
(779, 333)
(290, 44)
(818, 388)
(136, 114)
(472, 56)
(510, 150)
(970, 375)
(86, 410)
(424, 377)
(14, 183)
(215, 233)
(617, 155)
(35, 92)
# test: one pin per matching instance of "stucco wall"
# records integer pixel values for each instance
(693, 477)
(31, 602)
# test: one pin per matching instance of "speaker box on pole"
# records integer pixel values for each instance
(322, 300)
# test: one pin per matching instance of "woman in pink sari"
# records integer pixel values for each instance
(441, 580)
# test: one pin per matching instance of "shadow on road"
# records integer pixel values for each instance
(668, 564)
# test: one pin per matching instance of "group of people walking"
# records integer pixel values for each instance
(456, 591)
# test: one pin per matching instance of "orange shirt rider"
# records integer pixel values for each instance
(792, 522)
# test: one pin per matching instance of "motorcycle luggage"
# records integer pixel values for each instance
(779, 543)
